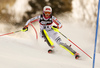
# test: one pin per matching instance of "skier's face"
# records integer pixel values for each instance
(47, 14)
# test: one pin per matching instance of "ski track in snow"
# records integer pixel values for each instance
(18, 52)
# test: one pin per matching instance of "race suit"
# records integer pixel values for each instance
(47, 32)
(47, 25)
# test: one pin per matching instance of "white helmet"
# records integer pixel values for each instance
(47, 9)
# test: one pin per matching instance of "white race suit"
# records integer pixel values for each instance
(47, 32)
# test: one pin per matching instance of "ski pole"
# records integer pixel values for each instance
(10, 33)
(75, 44)
(35, 31)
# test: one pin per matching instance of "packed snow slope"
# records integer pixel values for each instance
(27, 52)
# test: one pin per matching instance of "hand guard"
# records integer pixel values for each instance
(55, 28)
(25, 29)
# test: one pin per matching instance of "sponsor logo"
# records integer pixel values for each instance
(45, 22)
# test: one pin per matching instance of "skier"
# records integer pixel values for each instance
(47, 30)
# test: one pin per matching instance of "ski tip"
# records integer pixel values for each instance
(50, 51)
(77, 57)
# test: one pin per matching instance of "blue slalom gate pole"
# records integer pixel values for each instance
(96, 35)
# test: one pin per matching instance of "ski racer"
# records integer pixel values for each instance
(48, 30)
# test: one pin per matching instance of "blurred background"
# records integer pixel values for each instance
(15, 13)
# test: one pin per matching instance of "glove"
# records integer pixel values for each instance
(25, 29)
(55, 28)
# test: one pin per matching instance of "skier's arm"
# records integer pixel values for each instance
(59, 25)
(32, 20)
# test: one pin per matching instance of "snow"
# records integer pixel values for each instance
(29, 53)
(22, 50)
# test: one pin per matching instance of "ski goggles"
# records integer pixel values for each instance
(47, 13)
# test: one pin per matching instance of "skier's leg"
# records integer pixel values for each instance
(47, 38)
(54, 35)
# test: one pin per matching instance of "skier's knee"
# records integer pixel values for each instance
(58, 40)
